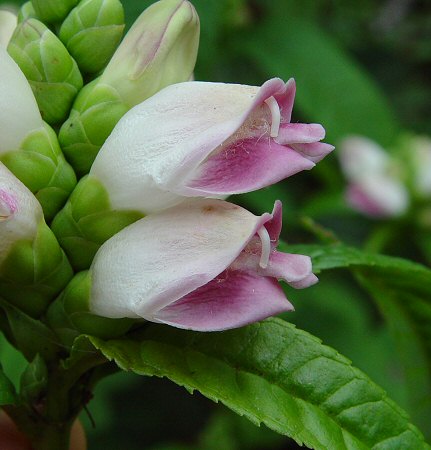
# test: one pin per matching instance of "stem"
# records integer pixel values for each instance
(47, 421)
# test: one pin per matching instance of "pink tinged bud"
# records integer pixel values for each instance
(20, 212)
(206, 139)
(19, 113)
(204, 265)
(374, 188)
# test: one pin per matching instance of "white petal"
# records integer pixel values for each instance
(20, 212)
(8, 22)
(19, 113)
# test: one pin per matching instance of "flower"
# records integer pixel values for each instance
(205, 139)
(376, 185)
(204, 265)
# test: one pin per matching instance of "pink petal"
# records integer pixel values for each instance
(231, 300)
(303, 133)
(243, 167)
(274, 225)
(314, 151)
(286, 100)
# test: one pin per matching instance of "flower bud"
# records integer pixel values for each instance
(87, 221)
(33, 268)
(93, 24)
(191, 139)
(70, 315)
(376, 186)
(205, 265)
(418, 149)
(26, 12)
(8, 22)
(29, 148)
(53, 10)
(51, 71)
(160, 49)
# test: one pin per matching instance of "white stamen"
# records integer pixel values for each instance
(275, 115)
(266, 247)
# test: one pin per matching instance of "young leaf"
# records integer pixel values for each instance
(402, 290)
(274, 373)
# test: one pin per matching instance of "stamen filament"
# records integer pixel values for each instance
(266, 247)
(275, 115)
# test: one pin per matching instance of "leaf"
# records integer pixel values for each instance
(7, 390)
(332, 88)
(274, 373)
(402, 290)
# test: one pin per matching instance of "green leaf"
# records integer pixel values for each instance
(276, 374)
(7, 390)
(332, 88)
(402, 291)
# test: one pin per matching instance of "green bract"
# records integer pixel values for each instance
(93, 25)
(26, 11)
(87, 221)
(160, 49)
(69, 315)
(53, 10)
(34, 272)
(52, 73)
(41, 166)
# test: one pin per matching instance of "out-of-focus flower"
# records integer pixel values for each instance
(376, 184)
(52, 73)
(200, 139)
(93, 24)
(418, 152)
(33, 268)
(159, 49)
(28, 146)
(204, 265)
(8, 21)
(191, 139)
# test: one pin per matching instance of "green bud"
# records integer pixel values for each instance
(160, 49)
(87, 221)
(26, 11)
(93, 24)
(34, 380)
(34, 272)
(52, 73)
(70, 312)
(40, 165)
(53, 10)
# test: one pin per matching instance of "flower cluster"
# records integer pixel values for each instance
(384, 184)
(146, 232)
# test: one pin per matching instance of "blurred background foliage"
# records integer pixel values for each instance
(361, 68)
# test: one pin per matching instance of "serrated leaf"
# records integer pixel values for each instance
(402, 290)
(276, 374)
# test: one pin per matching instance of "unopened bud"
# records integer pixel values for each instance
(93, 24)
(52, 73)
(53, 10)
(160, 49)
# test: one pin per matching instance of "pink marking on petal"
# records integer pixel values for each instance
(245, 166)
(302, 133)
(233, 299)
(314, 151)
(358, 198)
(8, 205)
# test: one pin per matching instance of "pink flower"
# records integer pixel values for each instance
(198, 139)
(205, 265)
